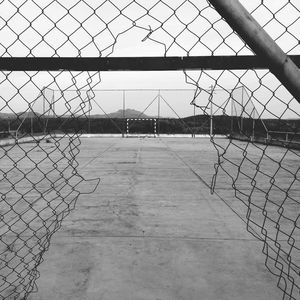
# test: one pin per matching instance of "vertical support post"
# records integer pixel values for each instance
(89, 122)
(53, 104)
(158, 113)
(31, 125)
(211, 131)
(253, 122)
(90, 108)
(242, 111)
(123, 114)
(44, 112)
(261, 43)
(253, 129)
(211, 120)
(194, 131)
(44, 99)
(231, 125)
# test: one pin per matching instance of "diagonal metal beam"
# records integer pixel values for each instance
(261, 43)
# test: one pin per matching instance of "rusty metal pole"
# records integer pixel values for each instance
(261, 43)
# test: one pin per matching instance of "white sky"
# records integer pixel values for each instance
(42, 38)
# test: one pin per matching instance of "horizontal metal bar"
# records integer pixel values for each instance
(135, 63)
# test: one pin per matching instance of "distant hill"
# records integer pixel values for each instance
(28, 114)
(20, 115)
(7, 116)
(129, 113)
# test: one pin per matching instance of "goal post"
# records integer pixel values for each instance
(141, 127)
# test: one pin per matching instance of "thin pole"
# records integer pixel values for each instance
(44, 111)
(211, 120)
(211, 111)
(158, 112)
(124, 107)
(242, 109)
(261, 43)
(253, 129)
(31, 125)
(231, 125)
(53, 104)
(89, 122)
(194, 131)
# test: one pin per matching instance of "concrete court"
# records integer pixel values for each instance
(152, 231)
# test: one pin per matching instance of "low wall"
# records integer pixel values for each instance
(265, 141)
(27, 139)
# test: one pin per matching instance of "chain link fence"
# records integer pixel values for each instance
(40, 181)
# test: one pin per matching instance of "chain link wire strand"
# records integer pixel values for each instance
(40, 181)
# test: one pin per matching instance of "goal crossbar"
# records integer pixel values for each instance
(154, 120)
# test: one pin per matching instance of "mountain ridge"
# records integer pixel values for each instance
(119, 114)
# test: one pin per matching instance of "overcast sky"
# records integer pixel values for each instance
(81, 32)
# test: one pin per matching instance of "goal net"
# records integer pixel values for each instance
(141, 127)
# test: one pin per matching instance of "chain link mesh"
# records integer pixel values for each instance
(40, 181)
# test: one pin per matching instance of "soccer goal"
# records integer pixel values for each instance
(141, 127)
(240, 58)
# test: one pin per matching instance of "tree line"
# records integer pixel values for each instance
(200, 124)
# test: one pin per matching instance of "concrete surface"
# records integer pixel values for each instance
(152, 230)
